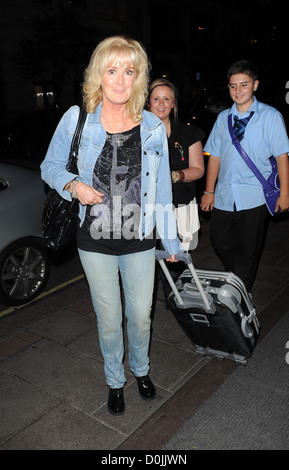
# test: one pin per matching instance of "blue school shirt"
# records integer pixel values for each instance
(265, 135)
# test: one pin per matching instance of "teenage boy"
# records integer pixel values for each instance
(233, 193)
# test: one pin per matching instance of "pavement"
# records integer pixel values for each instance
(52, 386)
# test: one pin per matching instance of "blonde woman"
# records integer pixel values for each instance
(124, 190)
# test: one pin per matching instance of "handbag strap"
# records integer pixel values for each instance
(77, 136)
(245, 156)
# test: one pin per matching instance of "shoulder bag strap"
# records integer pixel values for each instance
(76, 138)
(245, 156)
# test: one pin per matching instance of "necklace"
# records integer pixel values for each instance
(118, 140)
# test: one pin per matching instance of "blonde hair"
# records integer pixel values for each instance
(167, 83)
(103, 57)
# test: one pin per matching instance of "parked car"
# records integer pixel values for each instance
(24, 260)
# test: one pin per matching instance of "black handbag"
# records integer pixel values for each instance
(60, 216)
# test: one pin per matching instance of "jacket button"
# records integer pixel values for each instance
(145, 194)
(143, 234)
(147, 173)
(157, 152)
(144, 153)
(144, 213)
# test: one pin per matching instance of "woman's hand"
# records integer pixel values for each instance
(87, 195)
(172, 259)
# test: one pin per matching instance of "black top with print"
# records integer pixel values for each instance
(181, 138)
(113, 226)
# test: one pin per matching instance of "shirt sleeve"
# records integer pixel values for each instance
(276, 129)
(213, 144)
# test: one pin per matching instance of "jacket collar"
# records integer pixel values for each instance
(95, 117)
(149, 120)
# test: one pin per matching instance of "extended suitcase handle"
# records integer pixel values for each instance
(186, 257)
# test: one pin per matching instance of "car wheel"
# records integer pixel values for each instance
(24, 271)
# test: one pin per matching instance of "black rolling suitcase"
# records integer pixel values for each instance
(214, 309)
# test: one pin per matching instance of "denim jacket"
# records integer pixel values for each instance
(156, 190)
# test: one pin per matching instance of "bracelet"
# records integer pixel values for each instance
(206, 192)
(73, 191)
(181, 176)
(178, 176)
(69, 184)
(175, 176)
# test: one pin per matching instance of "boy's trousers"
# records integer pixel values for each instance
(238, 238)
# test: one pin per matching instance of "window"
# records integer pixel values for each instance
(44, 96)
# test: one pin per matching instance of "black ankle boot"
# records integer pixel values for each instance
(115, 403)
(146, 387)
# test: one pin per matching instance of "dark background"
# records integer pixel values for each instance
(45, 46)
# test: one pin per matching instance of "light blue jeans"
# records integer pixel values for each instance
(137, 272)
